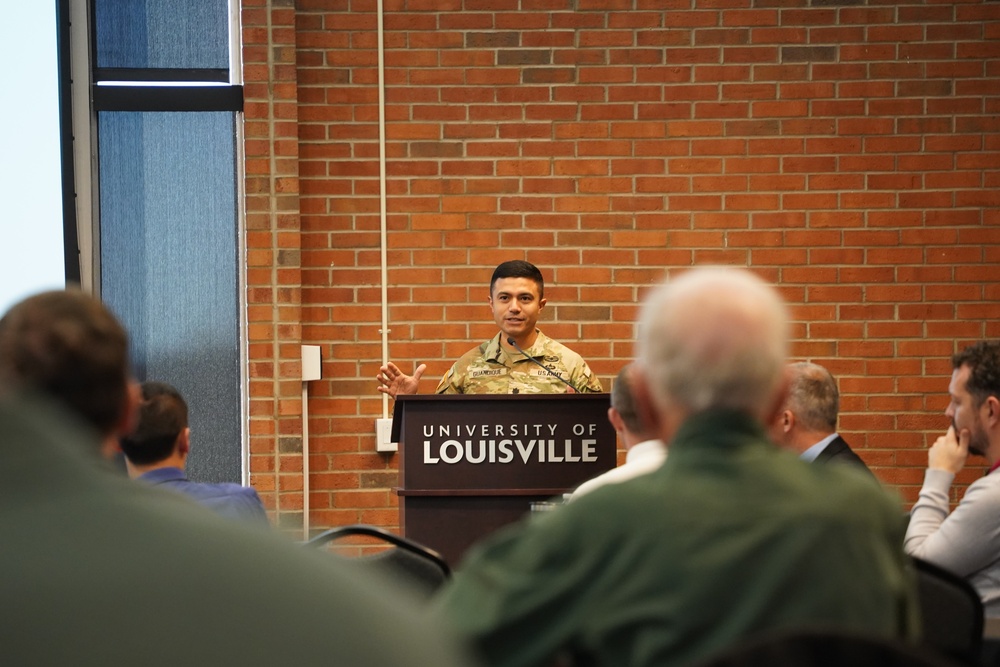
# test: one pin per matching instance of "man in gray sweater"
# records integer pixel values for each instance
(966, 541)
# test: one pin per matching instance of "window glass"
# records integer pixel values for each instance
(169, 265)
(156, 34)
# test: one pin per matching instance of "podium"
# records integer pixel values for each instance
(469, 464)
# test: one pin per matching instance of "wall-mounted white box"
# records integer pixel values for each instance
(383, 436)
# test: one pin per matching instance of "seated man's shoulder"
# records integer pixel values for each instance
(985, 490)
(229, 489)
(230, 499)
(621, 499)
(853, 479)
(181, 555)
(844, 488)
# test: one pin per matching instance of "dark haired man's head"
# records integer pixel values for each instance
(983, 360)
(67, 345)
(517, 268)
(163, 418)
(975, 397)
(516, 301)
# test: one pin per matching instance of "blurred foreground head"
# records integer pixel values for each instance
(68, 346)
(714, 338)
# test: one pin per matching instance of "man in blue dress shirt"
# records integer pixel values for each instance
(156, 453)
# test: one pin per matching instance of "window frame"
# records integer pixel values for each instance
(85, 90)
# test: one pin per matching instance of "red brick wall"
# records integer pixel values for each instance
(849, 153)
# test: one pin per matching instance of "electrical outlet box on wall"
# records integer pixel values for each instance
(383, 436)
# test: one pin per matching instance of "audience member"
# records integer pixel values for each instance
(729, 538)
(644, 451)
(156, 453)
(532, 364)
(966, 541)
(807, 423)
(69, 347)
(96, 566)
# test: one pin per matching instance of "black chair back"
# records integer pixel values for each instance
(951, 612)
(420, 567)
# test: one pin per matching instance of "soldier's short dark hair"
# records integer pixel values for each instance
(518, 268)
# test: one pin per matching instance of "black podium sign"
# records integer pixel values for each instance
(470, 464)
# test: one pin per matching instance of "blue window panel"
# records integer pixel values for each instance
(158, 34)
(169, 266)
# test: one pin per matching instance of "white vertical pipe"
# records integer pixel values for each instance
(305, 460)
(382, 199)
(311, 370)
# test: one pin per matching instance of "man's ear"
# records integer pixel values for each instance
(777, 406)
(645, 407)
(616, 420)
(787, 420)
(184, 442)
(992, 410)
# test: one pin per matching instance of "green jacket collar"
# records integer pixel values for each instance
(717, 429)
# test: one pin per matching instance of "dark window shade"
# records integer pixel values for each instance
(162, 34)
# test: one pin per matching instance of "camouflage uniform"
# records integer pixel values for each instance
(488, 369)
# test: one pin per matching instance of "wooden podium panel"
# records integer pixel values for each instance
(471, 464)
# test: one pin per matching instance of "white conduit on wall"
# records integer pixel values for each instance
(311, 370)
(305, 452)
(384, 330)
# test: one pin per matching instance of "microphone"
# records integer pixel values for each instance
(510, 339)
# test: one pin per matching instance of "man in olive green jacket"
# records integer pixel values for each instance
(729, 539)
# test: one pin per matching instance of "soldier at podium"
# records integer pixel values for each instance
(520, 359)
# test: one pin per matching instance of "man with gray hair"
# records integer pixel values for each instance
(723, 542)
(807, 423)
